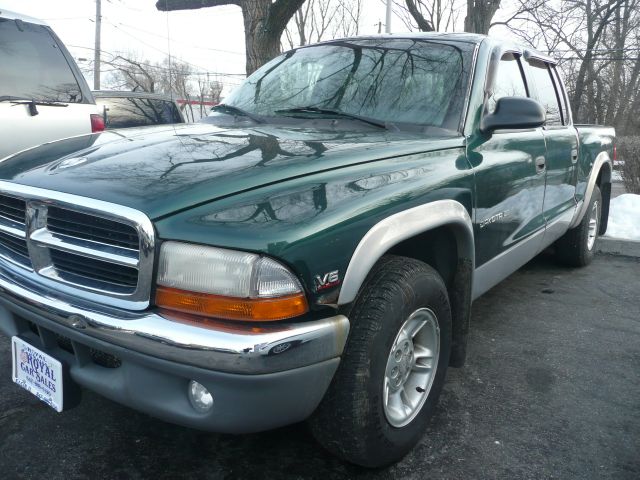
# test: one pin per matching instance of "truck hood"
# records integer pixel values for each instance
(163, 170)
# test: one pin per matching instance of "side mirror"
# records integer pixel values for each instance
(514, 113)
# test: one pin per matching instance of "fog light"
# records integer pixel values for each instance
(200, 398)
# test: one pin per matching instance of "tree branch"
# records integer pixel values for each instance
(423, 24)
(170, 5)
(280, 13)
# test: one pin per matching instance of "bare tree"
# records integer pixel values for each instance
(429, 15)
(443, 15)
(597, 43)
(170, 76)
(132, 73)
(318, 20)
(479, 15)
(215, 91)
(264, 23)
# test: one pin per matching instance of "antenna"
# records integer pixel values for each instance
(96, 50)
(169, 51)
(388, 25)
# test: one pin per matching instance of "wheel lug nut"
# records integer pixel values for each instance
(398, 355)
(394, 372)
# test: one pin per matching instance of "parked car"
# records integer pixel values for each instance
(43, 95)
(311, 252)
(137, 109)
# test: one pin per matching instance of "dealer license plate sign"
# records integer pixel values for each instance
(37, 372)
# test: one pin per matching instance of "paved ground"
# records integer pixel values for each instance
(551, 390)
(617, 189)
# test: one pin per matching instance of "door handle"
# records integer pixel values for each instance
(574, 155)
(541, 164)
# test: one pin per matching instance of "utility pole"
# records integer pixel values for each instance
(388, 24)
(96, 51)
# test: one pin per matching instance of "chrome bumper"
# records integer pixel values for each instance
(223, 347)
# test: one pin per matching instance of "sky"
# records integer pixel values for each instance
(210, 39)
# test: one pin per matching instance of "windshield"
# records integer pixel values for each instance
(32, 66)
(392, 80)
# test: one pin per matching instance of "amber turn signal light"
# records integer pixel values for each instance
(230, 308)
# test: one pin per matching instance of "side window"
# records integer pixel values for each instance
(546, 92)
(508, 81)
(562, 94)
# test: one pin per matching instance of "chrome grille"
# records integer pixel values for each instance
(12, 208)
(17, 247)
(13, 243)
(87, 247)
(69, 265)
(88, 227)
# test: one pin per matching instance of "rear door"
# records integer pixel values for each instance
(562, 148)
(34, 66)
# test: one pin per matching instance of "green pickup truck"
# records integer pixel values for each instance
(310, 251)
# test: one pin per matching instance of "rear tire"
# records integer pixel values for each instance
(393, 368)
(577, 247)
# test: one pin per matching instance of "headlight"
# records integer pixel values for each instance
(226, 284)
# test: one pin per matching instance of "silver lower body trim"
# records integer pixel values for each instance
(497, 269)
(224, 347)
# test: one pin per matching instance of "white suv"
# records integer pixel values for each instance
(43, 95)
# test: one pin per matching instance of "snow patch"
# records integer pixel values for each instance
(624, 217)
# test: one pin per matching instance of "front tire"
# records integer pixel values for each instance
(393, 368)
(578, 246)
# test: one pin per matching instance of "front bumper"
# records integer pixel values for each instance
(260, 377)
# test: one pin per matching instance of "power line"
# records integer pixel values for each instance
(65, 18)
(612, 59)
(154, 47)
(160, 67)
(595, 50)
(164, 37)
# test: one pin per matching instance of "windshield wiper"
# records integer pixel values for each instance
(33, 111)
(232, 110)
(46, 103)
(338, 113)
(22, 101)
(10, 98)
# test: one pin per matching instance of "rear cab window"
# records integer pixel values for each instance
(562, 93)
(122, 112)
(32, 65)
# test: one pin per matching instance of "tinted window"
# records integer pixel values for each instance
(546, 92)
(400, 81)
(32, 65)
(138, 112)
(562, 95)
(508, 81)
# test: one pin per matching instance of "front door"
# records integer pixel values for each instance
(509, 180)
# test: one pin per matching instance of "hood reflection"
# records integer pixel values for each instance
(295, 206)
